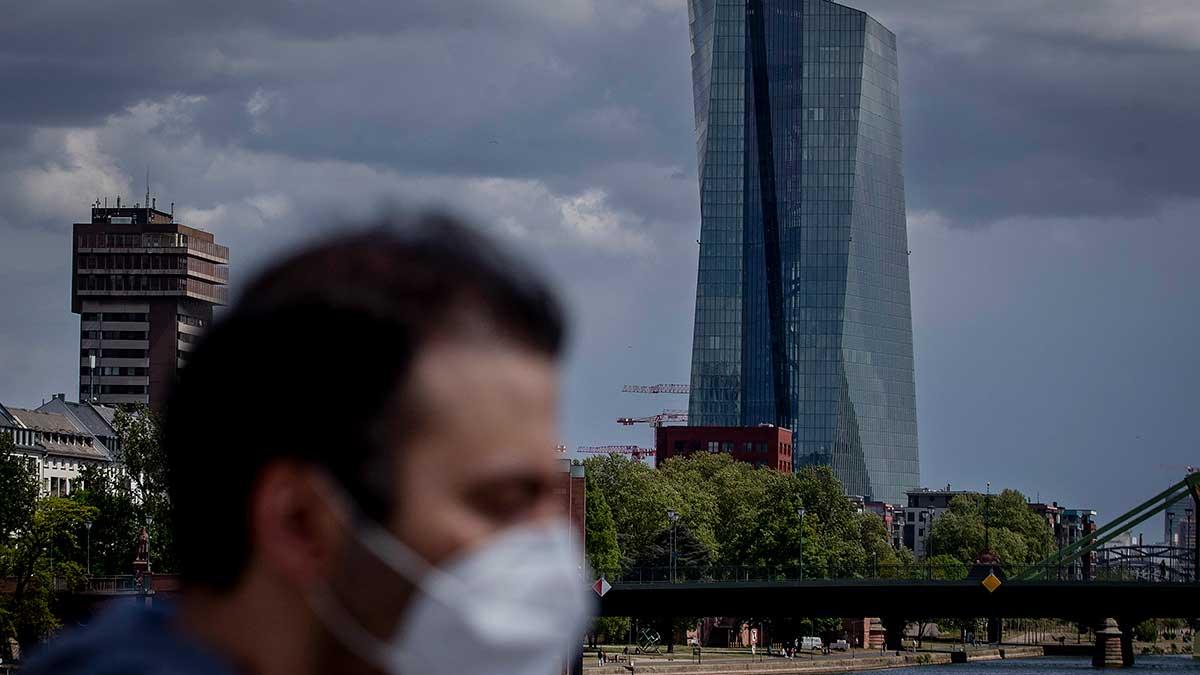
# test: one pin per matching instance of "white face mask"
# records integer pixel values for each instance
(518, 605)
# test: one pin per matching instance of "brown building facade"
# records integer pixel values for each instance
(572, 490)
(145, 288)
(763, 446)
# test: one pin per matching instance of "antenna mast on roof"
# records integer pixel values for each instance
(147, 186)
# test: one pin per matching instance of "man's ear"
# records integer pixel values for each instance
(295, 530)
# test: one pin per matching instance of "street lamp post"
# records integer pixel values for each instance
(148, 585)
(672, 516)
(88, 525)
(1195, 544)
(1172, 540)
(987, 520)
(1191, 534)
(800, 515)
(929, 539)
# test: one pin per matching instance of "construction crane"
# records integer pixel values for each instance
(635, 452)
(657, 389)
(655, 420)
(1176, 467)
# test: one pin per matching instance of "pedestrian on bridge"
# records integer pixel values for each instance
(361, 475)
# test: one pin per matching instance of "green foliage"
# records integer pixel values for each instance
(636, 505)
(1017, 534)
(48, 549)
(145, 465)
(118, 520)
(601, 538)
(1146, 631)
(947, 568)
(18, 489)
(611, 629)
(732, 515)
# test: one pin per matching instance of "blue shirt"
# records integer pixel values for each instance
(128, 639)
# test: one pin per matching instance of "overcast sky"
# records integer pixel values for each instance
(1050, 145)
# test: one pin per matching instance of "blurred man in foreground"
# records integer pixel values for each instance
(361, 468)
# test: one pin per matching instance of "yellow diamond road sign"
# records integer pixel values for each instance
(991, 582)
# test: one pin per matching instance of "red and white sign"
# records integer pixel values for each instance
(601, 586)
(754, 636)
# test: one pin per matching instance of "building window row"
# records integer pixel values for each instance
(109, 371)
(156, 261)
(131, 282)
(114, 353)
(121, 389)
(126, 317)
(759, 447)
(114, 335)
(192, 321)
(144, 240)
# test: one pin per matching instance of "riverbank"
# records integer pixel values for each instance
(730, 664)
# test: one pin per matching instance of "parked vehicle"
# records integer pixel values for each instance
(840, 646)
(811, 643)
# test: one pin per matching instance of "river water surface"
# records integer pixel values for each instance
(1158, 665)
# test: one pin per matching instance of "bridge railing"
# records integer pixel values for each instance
(1129, 571)
(121, 584)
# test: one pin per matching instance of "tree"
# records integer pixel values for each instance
(603, 553)
(718, 499)
(1018, 536)
(734, 517)
(692, 557)
(47, 550)
(1146, 631)
(638, 507)
(19, 489)
(143, 462)
(877, 545)
(832, 541)
(113, 537)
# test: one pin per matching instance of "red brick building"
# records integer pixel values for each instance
(763, 446)
(572, 489)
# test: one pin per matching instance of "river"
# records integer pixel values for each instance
(1158, 665)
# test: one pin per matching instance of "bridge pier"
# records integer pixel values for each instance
(1110, 650)
(893, 628)
(995, 630)
(1126, 642)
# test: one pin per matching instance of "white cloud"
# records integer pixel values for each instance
(926, 221)
(259, 106)
(593, 221)
(80, 172)
(232, 189)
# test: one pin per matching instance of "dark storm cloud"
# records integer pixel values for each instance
(1081, 107)
(567, 125)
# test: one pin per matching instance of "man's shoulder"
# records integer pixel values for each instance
(126, 639)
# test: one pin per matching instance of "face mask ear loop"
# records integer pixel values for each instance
(346, 629)
(407, 563)
(391, 551)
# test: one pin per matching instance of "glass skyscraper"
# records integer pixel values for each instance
(802, 303)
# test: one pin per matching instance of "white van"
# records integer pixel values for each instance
(811, 643)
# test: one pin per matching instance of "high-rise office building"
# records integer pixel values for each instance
(802, 302)
(1179, 524)
(145, 287)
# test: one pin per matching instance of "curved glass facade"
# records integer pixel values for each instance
(802, 302)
